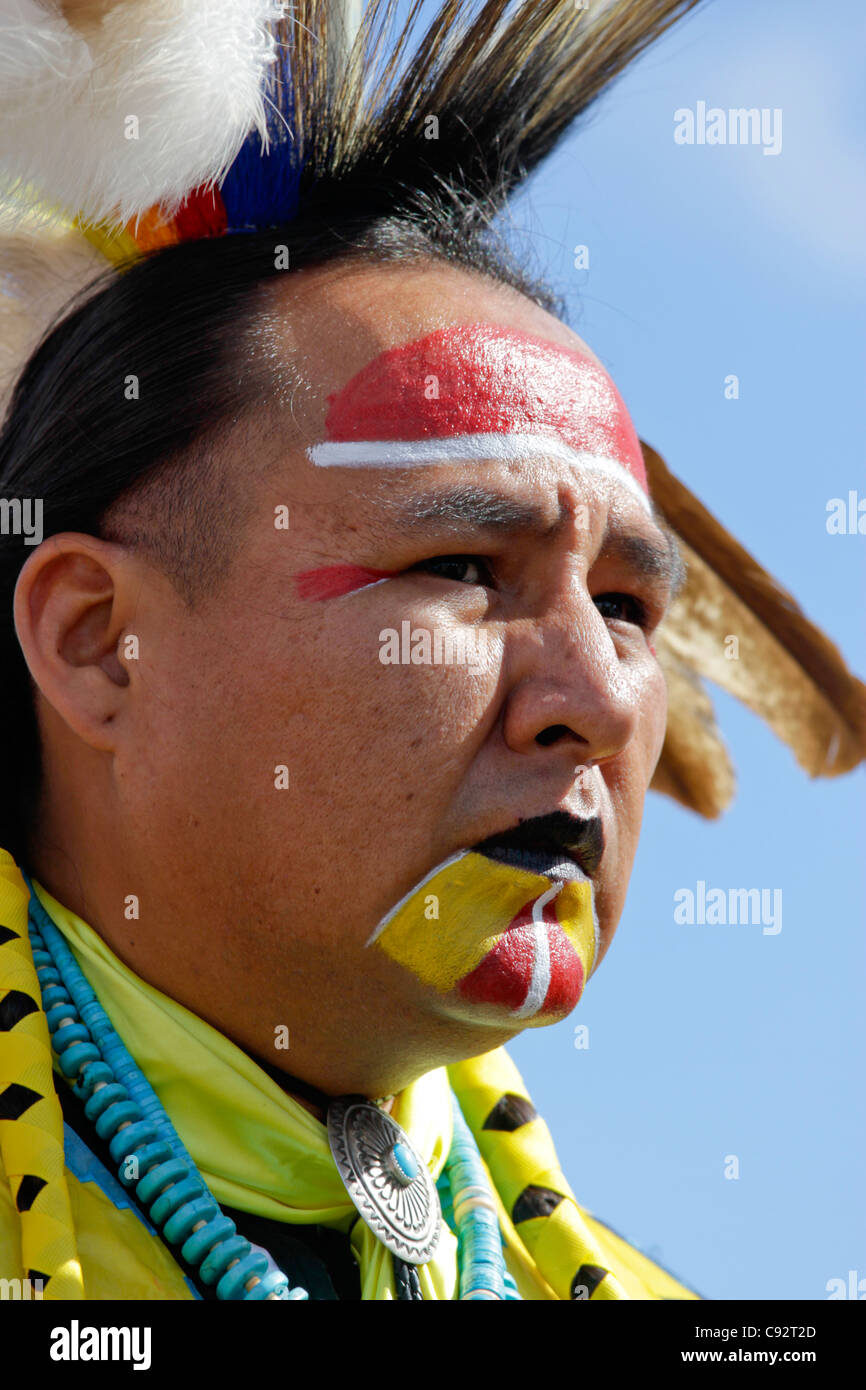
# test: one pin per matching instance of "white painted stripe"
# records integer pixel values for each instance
(596, 937)
(540, 982)
(455, 858)
(508, 448)
(362, 588)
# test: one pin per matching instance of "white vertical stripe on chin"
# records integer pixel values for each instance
(540, 982)
(414, 453)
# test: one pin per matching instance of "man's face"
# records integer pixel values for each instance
(537, 576)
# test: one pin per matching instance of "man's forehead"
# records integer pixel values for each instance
(476, 392)
(342, 315)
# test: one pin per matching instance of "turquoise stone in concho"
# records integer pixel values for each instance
(404, 1165)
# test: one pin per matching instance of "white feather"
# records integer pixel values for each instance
(190, 73)
(40, 270)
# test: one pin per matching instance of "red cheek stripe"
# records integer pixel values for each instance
(332, 581)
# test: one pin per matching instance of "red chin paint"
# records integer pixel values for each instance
(478, 379)
(506, 974)
(332, 581)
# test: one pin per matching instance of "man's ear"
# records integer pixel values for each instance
(69, 617)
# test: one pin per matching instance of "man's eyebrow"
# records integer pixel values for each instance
(491, 511)
(644, 555)
(678, 567)
(481, 508)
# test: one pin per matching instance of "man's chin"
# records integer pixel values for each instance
(498, 1017)
(500, 946)
(532, 972)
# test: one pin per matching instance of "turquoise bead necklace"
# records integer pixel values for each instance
(151, 1157)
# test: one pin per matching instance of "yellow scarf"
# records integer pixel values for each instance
(261, 1152)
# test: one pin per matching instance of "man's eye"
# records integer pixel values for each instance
(624, 607)
(465, 569)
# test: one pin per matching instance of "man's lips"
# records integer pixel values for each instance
(558, 845)
(553, 863)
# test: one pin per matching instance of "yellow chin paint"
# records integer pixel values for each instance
(495, 934)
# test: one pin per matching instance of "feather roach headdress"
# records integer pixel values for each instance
(128, 126)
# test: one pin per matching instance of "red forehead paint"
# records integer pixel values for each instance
(332, 581)
(477, 379)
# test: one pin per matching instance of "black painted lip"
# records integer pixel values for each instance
(558, 845)
(551, 863)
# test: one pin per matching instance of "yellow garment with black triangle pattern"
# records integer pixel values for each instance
(257, 1149)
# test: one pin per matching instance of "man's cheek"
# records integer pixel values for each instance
(451, 670)
(611, 888)
(626, 794)
(650, 734)
(660, 730)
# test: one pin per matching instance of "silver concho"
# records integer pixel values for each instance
(402, 1211)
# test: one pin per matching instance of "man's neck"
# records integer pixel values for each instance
(310, 1097)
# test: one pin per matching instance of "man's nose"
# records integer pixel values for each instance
(569, 686)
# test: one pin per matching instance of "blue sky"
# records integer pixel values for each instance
(711, 1041)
